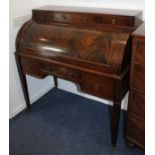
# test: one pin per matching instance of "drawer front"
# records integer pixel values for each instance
(41, 69)
(137, 103)
(139, 53)
(97, 85)
(138, 77)
(116, 20)
(32, 67)
(61, 71)
(136, 130)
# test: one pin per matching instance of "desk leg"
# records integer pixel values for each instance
(115, 122)
(55, 81)
(23, 82)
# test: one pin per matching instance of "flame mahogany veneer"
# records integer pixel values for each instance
(91, 49)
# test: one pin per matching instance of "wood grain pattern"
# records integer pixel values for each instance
(105, 50)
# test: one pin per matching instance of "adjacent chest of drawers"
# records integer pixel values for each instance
(135, 127)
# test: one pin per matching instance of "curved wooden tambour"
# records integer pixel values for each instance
(95, 49)
(91, 49)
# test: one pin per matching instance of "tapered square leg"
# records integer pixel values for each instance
(23, 82)
(55, 81)
(115, 122)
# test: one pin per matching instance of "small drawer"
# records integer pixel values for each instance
(97, 85)
(32, 67)
(137, 103)
(70, 74)
(62, 17)
(48, 68)
(119, 21)
(30, 64)
(113, 20)
(136, 129)
(139, 53)
(61, 71)
(138, 77)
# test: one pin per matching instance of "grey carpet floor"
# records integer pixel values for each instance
(62, 123)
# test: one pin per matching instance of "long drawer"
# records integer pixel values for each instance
(139, 55)
(138, 77)
(136, 130)
(137, 103)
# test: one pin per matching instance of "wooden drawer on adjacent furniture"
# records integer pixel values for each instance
(138, 77)
(136, 129)
(98, 85)
(137, 103)
(139, 54)
(135, 123)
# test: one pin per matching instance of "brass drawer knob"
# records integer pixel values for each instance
(47, 68)
(113, 21)
(97, 86)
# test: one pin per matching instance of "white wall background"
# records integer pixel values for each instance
(37, 88)
(120, 4)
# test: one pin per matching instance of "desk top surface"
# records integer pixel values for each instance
(123, 12)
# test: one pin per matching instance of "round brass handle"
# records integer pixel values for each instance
(97, 86)
(113, 21)
(70, 74)
(85, 19)
(47, 68)
(62, 70)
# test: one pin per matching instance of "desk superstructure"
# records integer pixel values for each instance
(91, 49)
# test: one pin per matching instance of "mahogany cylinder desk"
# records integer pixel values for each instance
(89, 48)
